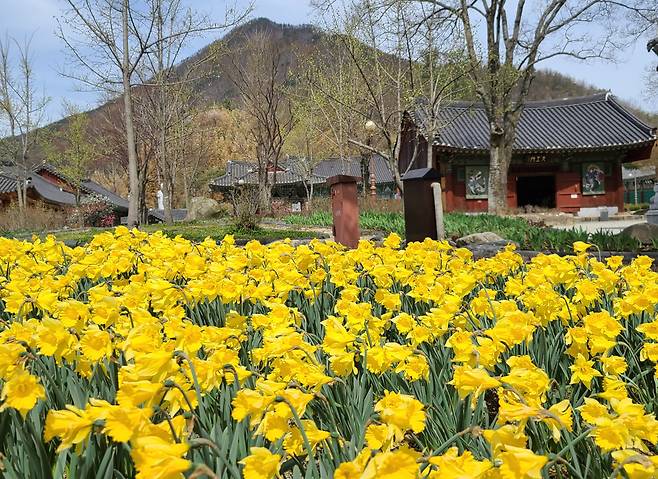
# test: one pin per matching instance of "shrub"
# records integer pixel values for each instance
(93, 212)
(244, 199)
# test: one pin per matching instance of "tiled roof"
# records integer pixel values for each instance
(352, 167)
(52, 170)
(7, 185)
(49, 192)
(234, 171)
(52, 193)
(112, 198)
(596, 122)
(289, 172)
(178, 214)
(87, 186)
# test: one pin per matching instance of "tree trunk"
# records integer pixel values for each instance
(186, 192)
(265, 198)
(133, 196)
(499, 161)
(393, 166)
(167, 189)
(142, 207)
(168, 206)
(430, 156)
(20, 195)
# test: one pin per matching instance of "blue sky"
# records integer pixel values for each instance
(626, 78)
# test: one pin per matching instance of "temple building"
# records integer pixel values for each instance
(568, 154)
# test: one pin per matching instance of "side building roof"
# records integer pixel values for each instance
(7, 184)
(352, 166)
(53, 193)
(115, 200)
(289, 172)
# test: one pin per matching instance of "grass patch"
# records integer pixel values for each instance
(528, 235)
(636, 207)
(369, 220)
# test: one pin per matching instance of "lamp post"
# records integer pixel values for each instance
(367, 167)
(652, 214)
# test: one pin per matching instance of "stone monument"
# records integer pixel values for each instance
(160, 197)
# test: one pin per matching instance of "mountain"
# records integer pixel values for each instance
(213, 88)
(293, 40)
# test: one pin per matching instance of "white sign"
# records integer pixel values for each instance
(297, 207)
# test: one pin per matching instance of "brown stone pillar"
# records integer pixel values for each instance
(345, 209)
(419, 215)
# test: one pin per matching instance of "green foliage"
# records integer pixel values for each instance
(528, 235)
(636, 206)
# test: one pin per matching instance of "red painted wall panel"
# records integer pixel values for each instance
(569, 197)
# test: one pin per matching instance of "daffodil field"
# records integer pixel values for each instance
(145, 356)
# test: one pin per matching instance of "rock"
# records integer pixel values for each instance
(645, 233)
(479, 238)
(203, 208)
(487, 250)
(300, 242)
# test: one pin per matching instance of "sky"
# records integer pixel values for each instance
(23, 19)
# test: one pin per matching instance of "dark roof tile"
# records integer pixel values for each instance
(159, 215)
(7, 185)
(289, 172)
(112, 198)
(352, 167)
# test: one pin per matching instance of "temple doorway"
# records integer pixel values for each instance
(538, 191)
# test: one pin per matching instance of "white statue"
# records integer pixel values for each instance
(160, 196)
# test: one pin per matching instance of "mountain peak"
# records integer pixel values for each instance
(262, 24)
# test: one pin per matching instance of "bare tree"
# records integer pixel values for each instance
(324, 125)
(261, 76)
(327, 101)
(439, 79)
(72, 150)
(23, 110)
(396, 58)
(110, 129)
(108, 42)
(167, 102)
(515, 38)
(304, 144)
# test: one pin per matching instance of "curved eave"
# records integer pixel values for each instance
(575, 149)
